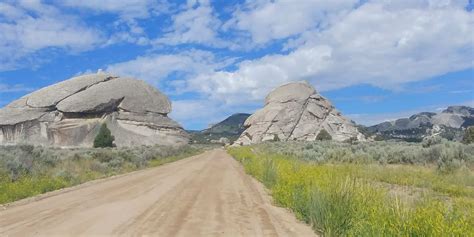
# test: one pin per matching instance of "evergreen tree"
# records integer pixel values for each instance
(323, 135)
(104, 138)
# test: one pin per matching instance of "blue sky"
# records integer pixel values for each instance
(375, 60)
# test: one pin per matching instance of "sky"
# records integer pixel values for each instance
(375, 60)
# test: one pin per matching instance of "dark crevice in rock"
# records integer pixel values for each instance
(121, 109)
(97, 112)
(305, 106)
(287, 101)
(81, 115)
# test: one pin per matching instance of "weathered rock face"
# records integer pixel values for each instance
(296, 111)
(69, 114)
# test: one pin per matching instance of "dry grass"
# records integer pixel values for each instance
(27, 171)
(340, 196)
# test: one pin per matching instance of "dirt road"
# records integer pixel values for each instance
(206, 195)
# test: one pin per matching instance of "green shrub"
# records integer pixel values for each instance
(431, 140)
(104, 138)
(468, 137)
(323, 135)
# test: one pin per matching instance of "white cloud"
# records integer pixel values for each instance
(255, 78)
(127, 27)
(195, 24)
(30, 26)
(200, 113)
(6, 88)
(156, 67)
(267, 20)
(127, 9)
(381, 43)
(385, 45)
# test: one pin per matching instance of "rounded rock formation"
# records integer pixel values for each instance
(296, 112)
(69, 114)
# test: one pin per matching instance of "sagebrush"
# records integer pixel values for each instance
(27, 170)
(369, 189)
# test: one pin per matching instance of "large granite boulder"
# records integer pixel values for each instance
(69, 114)
(296, 112)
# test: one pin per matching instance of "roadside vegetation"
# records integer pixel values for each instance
(370, 189)
(27, 170)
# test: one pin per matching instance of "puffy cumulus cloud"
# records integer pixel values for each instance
(382, 43)
(157, 67)
(129, 13)
(267, 20)
(29, 26)
(255, 78)
(196, 113)
(386, 44)
(195, 24)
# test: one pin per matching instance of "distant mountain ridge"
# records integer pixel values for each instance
(229, 128)
(449, 124)
(234, 124)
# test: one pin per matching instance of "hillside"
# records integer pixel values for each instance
(449, 123)
(229, 128)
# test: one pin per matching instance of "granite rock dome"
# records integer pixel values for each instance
(296, 112)
(69, 114)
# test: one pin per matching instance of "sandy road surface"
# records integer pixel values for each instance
(206, 195)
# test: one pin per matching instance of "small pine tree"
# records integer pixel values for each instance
(104, 138)
(276, 138)
(323, 135)
(468, 135)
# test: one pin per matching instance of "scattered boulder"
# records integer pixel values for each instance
(295, 111)
(70, 114)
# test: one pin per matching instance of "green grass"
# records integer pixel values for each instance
(368, 199)
(28, 187)
(27, 171)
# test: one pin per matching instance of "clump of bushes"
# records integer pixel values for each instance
(468, 137)
(431, 140)
(432, 152)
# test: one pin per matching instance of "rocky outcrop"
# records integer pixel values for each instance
(296, 111)
(69, 114)
(449, 123)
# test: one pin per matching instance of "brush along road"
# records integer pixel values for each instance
(205, 195)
